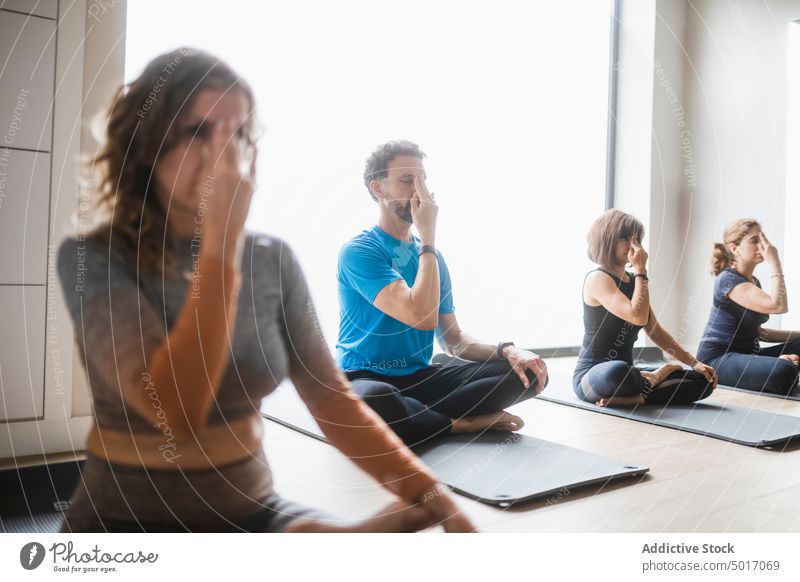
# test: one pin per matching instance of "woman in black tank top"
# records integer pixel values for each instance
(616, 305)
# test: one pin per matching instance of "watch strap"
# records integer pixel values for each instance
(428, 249)
(500, 347)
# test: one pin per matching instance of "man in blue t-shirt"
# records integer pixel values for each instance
(395, 296)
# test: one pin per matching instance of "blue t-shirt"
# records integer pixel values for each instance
(368, 338)
(730, 327)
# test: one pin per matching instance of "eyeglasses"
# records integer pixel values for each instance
(198, 134)
(201, 132)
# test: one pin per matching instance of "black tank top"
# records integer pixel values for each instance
(607, 337)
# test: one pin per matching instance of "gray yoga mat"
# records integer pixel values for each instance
(736, 424)
(795, 397)
(495, 467)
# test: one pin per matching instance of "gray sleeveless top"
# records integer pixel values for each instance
(121, 317)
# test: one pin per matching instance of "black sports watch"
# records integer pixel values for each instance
(642, 275)
(500, 347)
(427, 249)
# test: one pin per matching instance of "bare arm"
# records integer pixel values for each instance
(458, 343)
(186, 369)
(777, 335)
(664, 340)
(357, 431)
(752, 298)
(417, 306)
(601, 289)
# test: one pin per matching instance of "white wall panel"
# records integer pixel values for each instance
(22, 352)
(44, 8)
(24, 202)
(27, 49)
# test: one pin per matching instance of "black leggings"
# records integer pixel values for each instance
(618, 378)
(420, 405)
(762, 372)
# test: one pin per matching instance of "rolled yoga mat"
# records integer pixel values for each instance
(495, 467)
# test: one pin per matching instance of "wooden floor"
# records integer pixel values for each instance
(696, 483)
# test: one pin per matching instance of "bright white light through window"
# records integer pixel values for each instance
(508, 99)
(791, 320)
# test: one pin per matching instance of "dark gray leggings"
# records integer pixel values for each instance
(618, 378)
(762, 372)
(274, 517)
(233, 498)
(419, 406)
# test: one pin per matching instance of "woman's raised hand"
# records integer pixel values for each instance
(768, 251)
(637, 257)
(227, 193)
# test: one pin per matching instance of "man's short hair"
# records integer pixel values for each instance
(378, 162)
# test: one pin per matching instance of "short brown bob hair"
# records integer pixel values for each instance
(611, 227)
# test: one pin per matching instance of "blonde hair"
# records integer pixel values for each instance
(604, 233)
(721, 257)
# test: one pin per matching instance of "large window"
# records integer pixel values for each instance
(509, 99)
(790, 250)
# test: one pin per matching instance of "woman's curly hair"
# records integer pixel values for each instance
(143, 123)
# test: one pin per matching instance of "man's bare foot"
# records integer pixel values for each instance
(497, 420)
(657, 377)
(621, 400)
(397, 517)
(793, 358)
